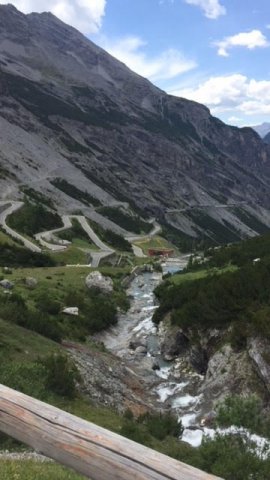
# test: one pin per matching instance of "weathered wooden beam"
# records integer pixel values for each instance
(90, 450)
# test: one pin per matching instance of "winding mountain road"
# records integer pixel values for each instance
(49, 240)
(45, 238)
(7, 208)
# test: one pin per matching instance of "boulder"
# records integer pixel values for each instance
(6, 284)
(141, 350)
(71, 311)
(209, 419)
(97, 280)
(134, 344)
(7, 270)
(155, 365)
(174, 344)
(31, 282)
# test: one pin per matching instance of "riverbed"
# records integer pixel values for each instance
(174, 385)
(136, 340)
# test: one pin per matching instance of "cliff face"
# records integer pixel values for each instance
(70, 110)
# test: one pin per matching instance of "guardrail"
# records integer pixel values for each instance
(90, 450)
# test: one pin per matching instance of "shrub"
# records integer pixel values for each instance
(161, 425)
(242, 412)
(45, 303)
(28, 378)
(133, 431)
(232, 457)
(21, 257)
(34, 218)
(43, 324)
(62, 375)
(131, 223)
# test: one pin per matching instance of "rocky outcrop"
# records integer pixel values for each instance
(114, 134)
(109, 382)
(259, 352)
(31, 282)
(176, 343)
(198, 359)
(97, 280)
(225, 370)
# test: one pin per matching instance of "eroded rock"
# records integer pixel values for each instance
(174, 344)
(31, 282)
(259, 352)
(97, 280)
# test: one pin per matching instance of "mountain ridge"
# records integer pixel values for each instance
(263, 129)
(70, 110)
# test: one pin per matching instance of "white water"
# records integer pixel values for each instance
(180, 393)
(177, 393)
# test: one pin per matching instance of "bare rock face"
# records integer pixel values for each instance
(230, 372)
(259, 352)
(97, 280)
(69, 110)
(108, 382)
(174, 344)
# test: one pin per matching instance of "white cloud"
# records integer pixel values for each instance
(236, 120)
(85, 15)
(168, 64)
(235, 93)
(211, 8)
(250, 40)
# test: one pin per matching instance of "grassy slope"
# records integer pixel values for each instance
(71, 256)
(4, 238)
(180, 278)
(31, 470)
(32, 346)
(67, 276)
(154, 242)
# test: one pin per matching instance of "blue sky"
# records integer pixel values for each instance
(212, 51)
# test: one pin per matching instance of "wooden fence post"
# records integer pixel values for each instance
(90, 450)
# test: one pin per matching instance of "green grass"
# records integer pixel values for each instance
(4, 238)
(49, 277)
(60, 278)
(78, 251)
(154, 242)
(180, 278)
(40, 308)
(32, 346)
(81, 243)
(72, 255)
(31, 470)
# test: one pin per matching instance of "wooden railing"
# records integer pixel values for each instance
(90, 450)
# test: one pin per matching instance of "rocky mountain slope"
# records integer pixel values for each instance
(262, 129)
(267, 138)
(68, 110)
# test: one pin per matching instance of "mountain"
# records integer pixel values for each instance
(266, 139)
(262, 129)
(75, 121)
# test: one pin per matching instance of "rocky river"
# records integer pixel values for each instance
(137, 341)
(139, 368)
